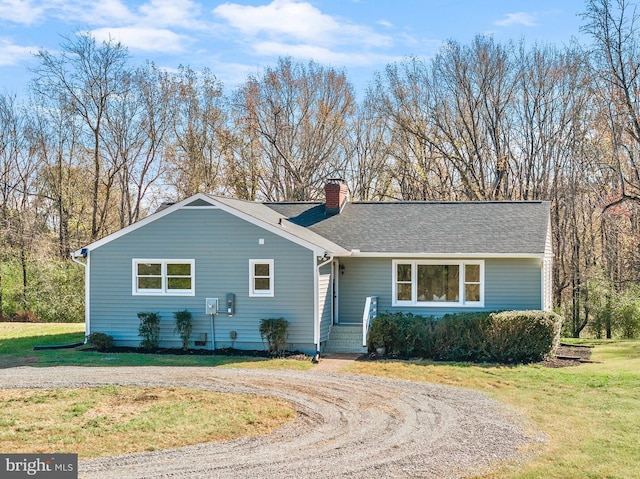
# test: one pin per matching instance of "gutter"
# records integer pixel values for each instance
(356, 253)
(84, 252)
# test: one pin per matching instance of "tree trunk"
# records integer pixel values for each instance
(25, 284)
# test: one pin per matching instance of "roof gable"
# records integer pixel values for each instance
(255, 213)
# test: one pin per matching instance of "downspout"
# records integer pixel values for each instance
(86, 291)
(316, 332)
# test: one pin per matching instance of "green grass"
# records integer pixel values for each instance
(111, 420)
(589, 413)
(18, 339)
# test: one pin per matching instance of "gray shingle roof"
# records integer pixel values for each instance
(271, 216)
(500, 228)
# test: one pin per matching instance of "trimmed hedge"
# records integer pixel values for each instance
(505, 337)
(522, 336)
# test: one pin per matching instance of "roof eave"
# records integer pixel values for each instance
(399, 254)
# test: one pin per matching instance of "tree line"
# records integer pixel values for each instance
(100, 143)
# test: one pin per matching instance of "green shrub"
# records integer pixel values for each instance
(385, 332)
(54, 290)
(522, 336)
(149, 330)
(419, 336)
(100, 341)
(507, 337)
(460, 337)
(184, 327)
(274, 331)
(626, 313)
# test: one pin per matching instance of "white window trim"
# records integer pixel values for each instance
(436, 304)
(270, 293)
(164, 291)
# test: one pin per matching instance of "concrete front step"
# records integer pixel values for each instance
(345, 339)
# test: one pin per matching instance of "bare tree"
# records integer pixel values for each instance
(297, 115)
(85, 77)
(135, 135)
(613, 25)
(368, 170)
(20, 206)
(198, 127)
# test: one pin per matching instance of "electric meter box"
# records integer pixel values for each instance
(211, 305)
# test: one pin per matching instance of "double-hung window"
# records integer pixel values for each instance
(438, 283)
(157, 277)
(261, 278)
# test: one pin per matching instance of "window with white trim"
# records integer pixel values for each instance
(438, 283)
(164, 277)
(261, 278)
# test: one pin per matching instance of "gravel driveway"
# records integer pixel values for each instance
(348, 426)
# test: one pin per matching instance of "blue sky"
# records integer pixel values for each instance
(237, 37)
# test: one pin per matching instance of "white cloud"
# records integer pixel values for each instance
(321, 54)
(149, 28)
(297, 22)
(11, 54)
(91, 13)
(21, 11)
(172, 13)
(144, 39)
(517, 18)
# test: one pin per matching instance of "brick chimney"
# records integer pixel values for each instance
(336, 193)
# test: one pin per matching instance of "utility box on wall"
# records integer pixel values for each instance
(231, 303)
(211, 306)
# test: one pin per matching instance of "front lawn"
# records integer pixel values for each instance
(112, 420)
(589, 413)
(18, 339)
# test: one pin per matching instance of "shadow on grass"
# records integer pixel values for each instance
(24, 344)
(432, 362)
(15, 352)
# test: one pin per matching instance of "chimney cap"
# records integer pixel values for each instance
(335, 180)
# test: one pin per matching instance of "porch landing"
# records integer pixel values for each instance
(345, 338)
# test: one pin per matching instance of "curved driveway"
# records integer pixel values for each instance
(348, 426)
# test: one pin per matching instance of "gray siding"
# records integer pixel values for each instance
(325, 301)
(509, 284)
(221, 245)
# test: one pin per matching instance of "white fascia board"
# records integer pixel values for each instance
(360, 254)
(149, 219)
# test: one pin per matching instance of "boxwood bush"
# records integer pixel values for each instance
(522, 336)
(505, 337)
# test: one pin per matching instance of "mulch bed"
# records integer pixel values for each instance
(202, 352)
(569, 355)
